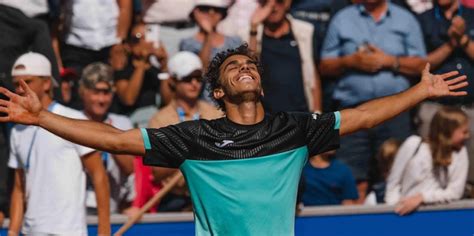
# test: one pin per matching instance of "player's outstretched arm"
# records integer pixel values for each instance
(29, 111)
(379, 110)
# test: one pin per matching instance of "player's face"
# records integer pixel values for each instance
(97, 100)
(460, 136)
(240, 78)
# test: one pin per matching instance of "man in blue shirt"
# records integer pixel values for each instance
(371, 49)
(242, 170)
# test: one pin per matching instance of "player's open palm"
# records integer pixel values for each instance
(444, 84)
(20, 109)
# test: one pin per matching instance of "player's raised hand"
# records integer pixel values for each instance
(443, 85)
(20, 109)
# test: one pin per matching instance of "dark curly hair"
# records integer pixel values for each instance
(213, 72)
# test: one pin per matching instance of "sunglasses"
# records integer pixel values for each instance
(190, 78)
(207, 9)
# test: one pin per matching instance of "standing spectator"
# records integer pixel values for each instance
(449, 32)
(371, 49)
(285, 46)
(88, 31)
(328, 182)
(432, 170)
(319, 13)
(238, 17)
(96, 89)
(207, 41)
(41, 159)
(137, 83)
(171, 22)
(19, 34)
(186, 70)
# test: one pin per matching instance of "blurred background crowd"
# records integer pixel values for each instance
(139, 63)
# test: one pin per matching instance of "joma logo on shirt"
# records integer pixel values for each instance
(223, 143)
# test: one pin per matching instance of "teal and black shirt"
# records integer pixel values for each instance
(243, 179)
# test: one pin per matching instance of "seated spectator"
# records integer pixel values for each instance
(328, 182)
(185, 69)
(137, 83)
(432, 170)
(448, 31)
(384, 158)
(96, 89)
(285, 46)
(371, 49)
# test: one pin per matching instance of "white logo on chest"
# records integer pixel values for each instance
(223, 143)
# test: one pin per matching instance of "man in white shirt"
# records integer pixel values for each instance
(96, 89)
(92, 31)
(49, 171)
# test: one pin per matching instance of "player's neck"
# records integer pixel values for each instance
(46, 101)
(246, 113)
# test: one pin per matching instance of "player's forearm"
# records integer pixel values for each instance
(374, 112)
(88, 133)
(102, 193)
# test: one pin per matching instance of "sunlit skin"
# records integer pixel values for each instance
(240, 78)
(97, 100)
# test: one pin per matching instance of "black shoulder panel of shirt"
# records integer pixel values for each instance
(222, 139)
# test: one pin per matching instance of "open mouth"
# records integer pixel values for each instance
(245, 78)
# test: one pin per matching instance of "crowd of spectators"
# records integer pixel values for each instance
(139, 63)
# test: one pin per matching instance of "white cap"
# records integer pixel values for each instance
(213, 3)
(33, 64)
(183, 64)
